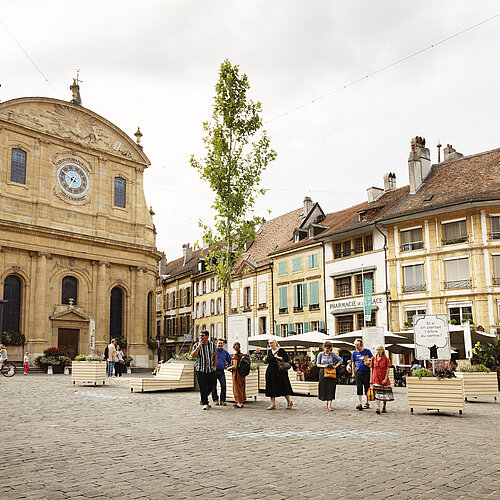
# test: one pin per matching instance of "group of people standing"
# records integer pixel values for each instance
(116, 359)
(371, 374)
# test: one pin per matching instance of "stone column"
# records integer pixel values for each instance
(42, 330)
(101, 307)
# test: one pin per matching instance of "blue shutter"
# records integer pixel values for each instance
(306, 326)
(321, 325)
(283, 298)
(304, 294)
(277, 330)
(314, 292)
(291, 328)
(310, 261)
(295, 296)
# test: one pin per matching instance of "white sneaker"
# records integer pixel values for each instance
(206, 407)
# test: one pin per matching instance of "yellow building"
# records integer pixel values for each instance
(77, 239)
(444, 240)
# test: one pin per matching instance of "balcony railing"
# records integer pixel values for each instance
(457, 284)
(416, 245)
(298, 309)
(283, 310)
(414, 288)
(496, 280)
(453, 241)
(313, 307)
(495, 235)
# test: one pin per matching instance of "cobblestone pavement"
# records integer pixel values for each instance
(61, 441)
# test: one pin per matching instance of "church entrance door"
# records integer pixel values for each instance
(68, 341)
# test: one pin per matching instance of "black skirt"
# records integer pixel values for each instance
(277, 381)
(326, 387)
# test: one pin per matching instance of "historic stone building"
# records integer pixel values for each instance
(77, 241)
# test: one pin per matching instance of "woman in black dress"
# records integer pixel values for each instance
(327, 385)
(277, 381)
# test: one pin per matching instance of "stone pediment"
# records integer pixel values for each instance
(70, 314)
(245, 267)
(71, 123)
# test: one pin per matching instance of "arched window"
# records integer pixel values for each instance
(150, 307)
(120, 192)
(69, 290)
(12, 309)
(18, 166)
(116, 313)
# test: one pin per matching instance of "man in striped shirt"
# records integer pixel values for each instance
(205, 354)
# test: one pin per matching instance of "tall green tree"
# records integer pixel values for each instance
(237, 152)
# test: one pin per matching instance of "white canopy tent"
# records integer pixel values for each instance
(390, 337)
(312, 339)
(263, 340)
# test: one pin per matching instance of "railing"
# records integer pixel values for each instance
(457, 284)
(284, 310)
(496, 280)
(297, 309)
(414, 288)
(495, 235)
(313, 307)
(462, 239)
(247, 308)
(416, 245)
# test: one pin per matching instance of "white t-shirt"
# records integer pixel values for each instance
(26, 359)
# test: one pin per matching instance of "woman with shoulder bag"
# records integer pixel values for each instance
(119, 361)
(277, 381)
(328, 362)
(239, 382)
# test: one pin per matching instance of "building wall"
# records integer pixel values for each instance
(212, 321)
(480, 293)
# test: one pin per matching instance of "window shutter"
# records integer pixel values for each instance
(321, 325)
(250, 295)
(241, 296)
(310, 261)
(283, 298)
(263, 293)
(457, 269)
(313, 293)
(296, 295)
(291, 327)
(306, 326)
(304, 294)
(496, 266)
(277, 330)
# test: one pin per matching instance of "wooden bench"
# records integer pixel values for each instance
(251, 385)
(298, 387)
(171, 376)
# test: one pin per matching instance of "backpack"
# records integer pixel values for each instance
(244, 366)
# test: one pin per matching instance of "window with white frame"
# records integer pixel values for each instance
(284, 330)
(247, 297)
(343, 287)
(411, 239)
(457, 273)
(249, 327)
(495, 227)
(313, 260)
(262, 293)
(458, 313)
(454, 232)
(413, 278)
(219, 306)
(345, 324)
(314, 326)
(204, 286)
(212, 331)
(299, 328)
(263, 325)
(410, 312)
(496, 269)
(212, 307)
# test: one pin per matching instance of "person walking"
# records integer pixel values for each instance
(328, 362)
(111, 357)
(26, 362)
(360, 364)
(3, 355)
(277, 381)
(223, 361)
(239, 382)
(205, 354)
(119, 361)
(380, 365)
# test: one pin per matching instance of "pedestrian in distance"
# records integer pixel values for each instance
(328, 362)
(415, 365)
(360, 364)
(380, 365)
(3, 355)
(26, 362)
(119, 361)
(111, 357)
(277, 381)
(223, 361)
(259, 356)
(205, 354)
(239, 381)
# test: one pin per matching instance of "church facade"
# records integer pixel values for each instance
(77, 241)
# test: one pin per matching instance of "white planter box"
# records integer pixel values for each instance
(251, 385)
(89, 372)
(479, 384)
(431, 393)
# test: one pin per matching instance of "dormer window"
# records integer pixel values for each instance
(362, 216)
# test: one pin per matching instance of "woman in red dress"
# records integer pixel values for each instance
(381, 384)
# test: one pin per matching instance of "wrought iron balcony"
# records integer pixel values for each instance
(495, 235)
(496, 280)
(298, 309)
(453, 241)
(416, 245)
(414, 288)
(283, 310)
(457, 284)
(313, 307)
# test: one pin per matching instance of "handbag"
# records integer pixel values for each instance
(330, 372)
(283, 365)
(370, 395)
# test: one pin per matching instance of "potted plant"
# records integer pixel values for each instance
(53, 360)
(127, 360)
(442, 391)
(89, 369)
(153, 344)
(15, 342)
(488, 355)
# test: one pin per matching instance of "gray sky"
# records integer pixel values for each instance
(155, 64)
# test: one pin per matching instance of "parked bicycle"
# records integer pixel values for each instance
(8, 369)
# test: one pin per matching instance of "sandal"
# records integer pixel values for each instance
(384, 411)
(377, 412)
(367, 406)
(272, 407)
(289, 406)
(330, 409)
(359, 407)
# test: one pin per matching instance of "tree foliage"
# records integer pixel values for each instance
(237, 152)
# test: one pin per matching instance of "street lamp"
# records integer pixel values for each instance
(2, 302)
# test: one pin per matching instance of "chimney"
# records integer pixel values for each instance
(374, 193)
(451, 154)
(389, 181)
(308, 204)
(419, 163)
(187, 253)
(205, 244)
(162, 265)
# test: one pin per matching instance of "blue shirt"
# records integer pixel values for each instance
(223, 359)
(359, 358)
(329, 359)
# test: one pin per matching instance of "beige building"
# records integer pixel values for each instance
(77, 239)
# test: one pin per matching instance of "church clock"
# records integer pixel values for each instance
(73, 180)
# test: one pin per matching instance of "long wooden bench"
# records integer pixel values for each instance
(251, 386)
(171, 376)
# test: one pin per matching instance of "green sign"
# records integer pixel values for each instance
(367, 294)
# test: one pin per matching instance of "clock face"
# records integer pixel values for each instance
(73, 180)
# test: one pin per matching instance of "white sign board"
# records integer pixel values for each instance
(237, 331)
(467, 340)
(372, 337)
(432, 337)
(92, 333)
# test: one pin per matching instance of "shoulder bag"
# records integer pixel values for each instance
(329, 372)
(283, 365)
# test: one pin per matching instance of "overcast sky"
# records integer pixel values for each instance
(155, 64)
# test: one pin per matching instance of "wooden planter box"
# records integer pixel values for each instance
(431, 393)
(88, 372)
(251, 387)
(306, 388)
(479, 384)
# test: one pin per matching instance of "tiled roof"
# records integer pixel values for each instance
(177, 266)
(271, 234)
(468, 179)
